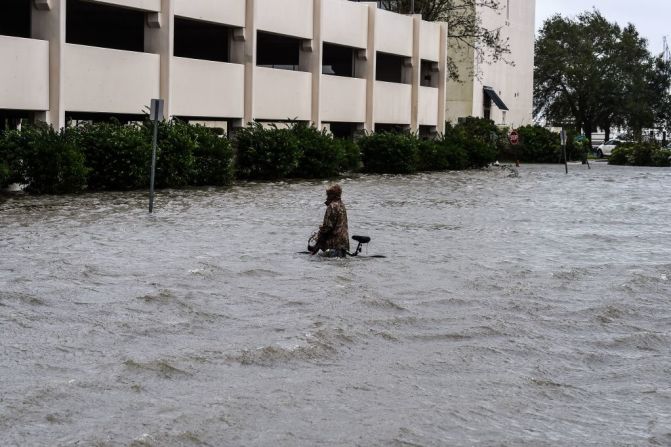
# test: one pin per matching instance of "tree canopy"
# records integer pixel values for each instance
(465, 25)
(591, 73)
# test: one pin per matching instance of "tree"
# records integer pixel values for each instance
(575, 70)
(465, 26)
(589, 72)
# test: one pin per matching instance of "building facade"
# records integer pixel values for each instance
(345, 65)
(503, 90)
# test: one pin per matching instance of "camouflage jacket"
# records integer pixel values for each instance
(334, 234)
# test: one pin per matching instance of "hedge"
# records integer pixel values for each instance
(640, 154)
(111, 156)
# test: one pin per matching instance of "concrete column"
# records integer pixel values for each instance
(416, 67)
(369, 68)
(316, 58)
(442, 79)
(48, 23)
(160, 39)
(249, 59)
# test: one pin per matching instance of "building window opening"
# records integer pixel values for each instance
(428, 74)
(427, 132)
(487, 107)
(343, 131)
(75, 118)
(201, 40)
(276, 51)
(338, 60)
(391, 128)
(14, 119)
(15, 18)
(391, 68)
(104, 26)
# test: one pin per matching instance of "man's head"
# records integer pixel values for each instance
(333, 193)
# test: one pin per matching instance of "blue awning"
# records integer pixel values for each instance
(495, 98)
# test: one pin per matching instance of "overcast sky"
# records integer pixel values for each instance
(652, 18)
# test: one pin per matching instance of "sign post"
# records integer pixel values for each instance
(155, 115)
(563, 145)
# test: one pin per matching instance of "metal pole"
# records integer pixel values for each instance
(412, 6)
(562, 140)
(153, 167)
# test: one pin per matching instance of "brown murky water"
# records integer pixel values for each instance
(512, 311)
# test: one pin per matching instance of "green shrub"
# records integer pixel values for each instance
(479, 138)
(538, 145)
(351, 155)
(640, 154)
(213, 158)
(661, 158)
(319, 154)
(4, 175)
(51, 162)
(454, 148)
(13, 146)
(618, 156)
(432, 156)
(266, 154)
(390, 153)
(117, 155)
(175, 161)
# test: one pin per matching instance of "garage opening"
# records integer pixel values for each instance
(74, 118)
(428, 74)
(104, 26)
(338, 60)
(15, 18)
(13, 119)
(391, 68)
(277, 51)
(202, 40)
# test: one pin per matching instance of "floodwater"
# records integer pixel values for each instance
(530, 310)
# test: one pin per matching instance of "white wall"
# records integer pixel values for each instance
(513, 82)
(207, 89)
(111, 81)
(343, 99)
(429, 37)
(428, 106)
(145, 5)
(288, 17)
(346, 23)
(393, 103)
(393, 33)
(232, 13)
(282, 94)
(24, 75)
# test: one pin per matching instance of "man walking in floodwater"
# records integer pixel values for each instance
(333, 235)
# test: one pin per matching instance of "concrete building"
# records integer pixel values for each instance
(336, 63)
(500, 91)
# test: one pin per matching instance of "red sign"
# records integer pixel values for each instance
(514, 137)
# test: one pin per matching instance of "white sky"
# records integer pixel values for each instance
(652, 18)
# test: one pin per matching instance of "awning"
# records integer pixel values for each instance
(495, 98)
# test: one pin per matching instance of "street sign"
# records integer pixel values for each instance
(514, 137)
(156, 113)
(563, 137)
